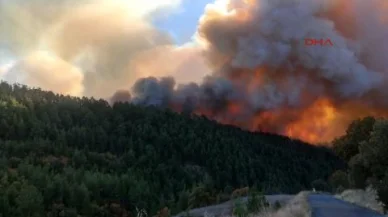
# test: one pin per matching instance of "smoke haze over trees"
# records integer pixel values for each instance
(247, 66)
(259, 73)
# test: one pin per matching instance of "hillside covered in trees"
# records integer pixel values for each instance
(68, 156)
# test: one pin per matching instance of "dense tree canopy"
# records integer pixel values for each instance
(347, 146)
(365, 147)
(68, 156)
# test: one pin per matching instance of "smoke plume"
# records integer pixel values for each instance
(109, 43)
(263, 77)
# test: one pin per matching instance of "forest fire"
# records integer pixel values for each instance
(314, 123)
(257, 73)
(266, 79)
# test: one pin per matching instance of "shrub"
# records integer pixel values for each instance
(256, 201)
(239, 209)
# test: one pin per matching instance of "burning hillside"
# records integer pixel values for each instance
(266, 79)
(263, 77)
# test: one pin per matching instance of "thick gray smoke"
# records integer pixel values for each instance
(264, 74)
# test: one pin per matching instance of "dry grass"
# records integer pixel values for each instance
(297, 207)
(365, 198)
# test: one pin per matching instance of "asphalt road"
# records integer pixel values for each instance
(322, 205)
(327, 206)
(226, 208)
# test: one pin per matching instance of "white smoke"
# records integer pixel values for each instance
(111, 43)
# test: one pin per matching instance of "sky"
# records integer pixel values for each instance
(182, 24)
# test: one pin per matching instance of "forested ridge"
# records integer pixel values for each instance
(68, 156)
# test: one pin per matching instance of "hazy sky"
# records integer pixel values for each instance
(182, 25)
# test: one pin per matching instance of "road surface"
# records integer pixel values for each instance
(323, 205)
(225, 208)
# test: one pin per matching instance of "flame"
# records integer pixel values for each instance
(314, 123)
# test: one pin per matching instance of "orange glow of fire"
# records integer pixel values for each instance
(314, 123)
